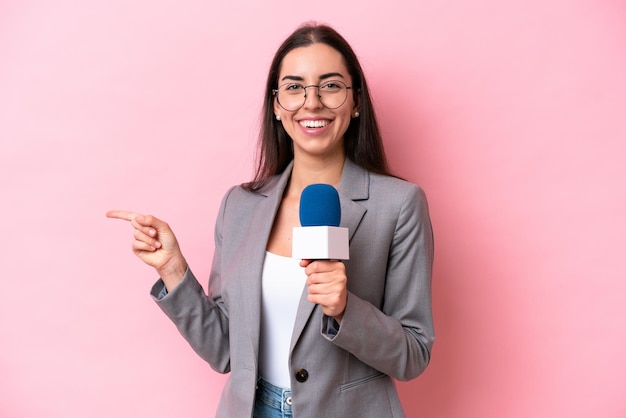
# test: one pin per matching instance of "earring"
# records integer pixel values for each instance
(357, 114)
(277, 117)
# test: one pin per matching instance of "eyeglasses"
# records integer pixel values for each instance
(292, 96)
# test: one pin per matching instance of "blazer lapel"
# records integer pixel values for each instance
(263, 215)
(354, 186)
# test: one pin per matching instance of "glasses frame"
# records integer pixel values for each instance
(319, 96)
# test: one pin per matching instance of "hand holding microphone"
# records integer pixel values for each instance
(320, 242)
(326, 281)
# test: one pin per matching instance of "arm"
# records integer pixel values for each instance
(201, 319)
(396, 338)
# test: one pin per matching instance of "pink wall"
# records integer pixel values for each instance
(511, 114)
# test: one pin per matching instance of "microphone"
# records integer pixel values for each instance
(320, 237)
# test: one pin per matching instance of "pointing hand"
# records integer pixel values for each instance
(155, 244)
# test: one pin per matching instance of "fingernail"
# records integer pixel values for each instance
(152, 232)
(157, 244)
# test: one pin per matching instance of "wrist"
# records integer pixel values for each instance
(172, 273)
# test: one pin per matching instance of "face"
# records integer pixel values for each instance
(316, 130)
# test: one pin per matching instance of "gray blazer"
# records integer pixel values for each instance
(386, 332)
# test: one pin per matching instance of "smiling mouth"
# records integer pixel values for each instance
(313, 123)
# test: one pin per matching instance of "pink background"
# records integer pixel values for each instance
(511, 115)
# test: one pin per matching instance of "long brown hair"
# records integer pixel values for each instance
(362, 140)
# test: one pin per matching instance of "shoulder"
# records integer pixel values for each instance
(404, 205)
(359, 183)
(238, 197)
(393, 191)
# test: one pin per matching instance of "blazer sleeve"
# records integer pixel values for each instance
(201, 319)
(397, 338)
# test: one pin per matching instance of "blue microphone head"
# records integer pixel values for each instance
(319, 206)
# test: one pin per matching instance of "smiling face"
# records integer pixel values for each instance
(314, 129)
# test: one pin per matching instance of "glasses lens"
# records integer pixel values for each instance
(333, 94)
(292, 96)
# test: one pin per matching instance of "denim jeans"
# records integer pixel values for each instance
(272, 401)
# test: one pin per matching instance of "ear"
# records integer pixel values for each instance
(357, 102)
(277, 107)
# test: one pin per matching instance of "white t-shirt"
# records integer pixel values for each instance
(282, 286)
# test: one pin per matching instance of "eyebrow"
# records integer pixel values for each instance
(322, 77)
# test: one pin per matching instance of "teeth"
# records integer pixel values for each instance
(313, 123)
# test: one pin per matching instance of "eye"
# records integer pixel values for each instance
(331, 86)
(293, 87)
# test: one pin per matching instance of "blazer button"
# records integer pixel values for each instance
(302, 375)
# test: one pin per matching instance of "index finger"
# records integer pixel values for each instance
(121, 214)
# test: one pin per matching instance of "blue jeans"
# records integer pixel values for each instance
(272, 401)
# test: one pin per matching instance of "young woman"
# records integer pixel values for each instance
(307, 338)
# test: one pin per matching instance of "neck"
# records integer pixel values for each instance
(310, 171)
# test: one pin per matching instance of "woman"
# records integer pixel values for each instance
(308, 338)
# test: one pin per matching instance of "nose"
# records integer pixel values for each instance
(312, 99)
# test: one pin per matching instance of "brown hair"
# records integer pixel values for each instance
(362, 140)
